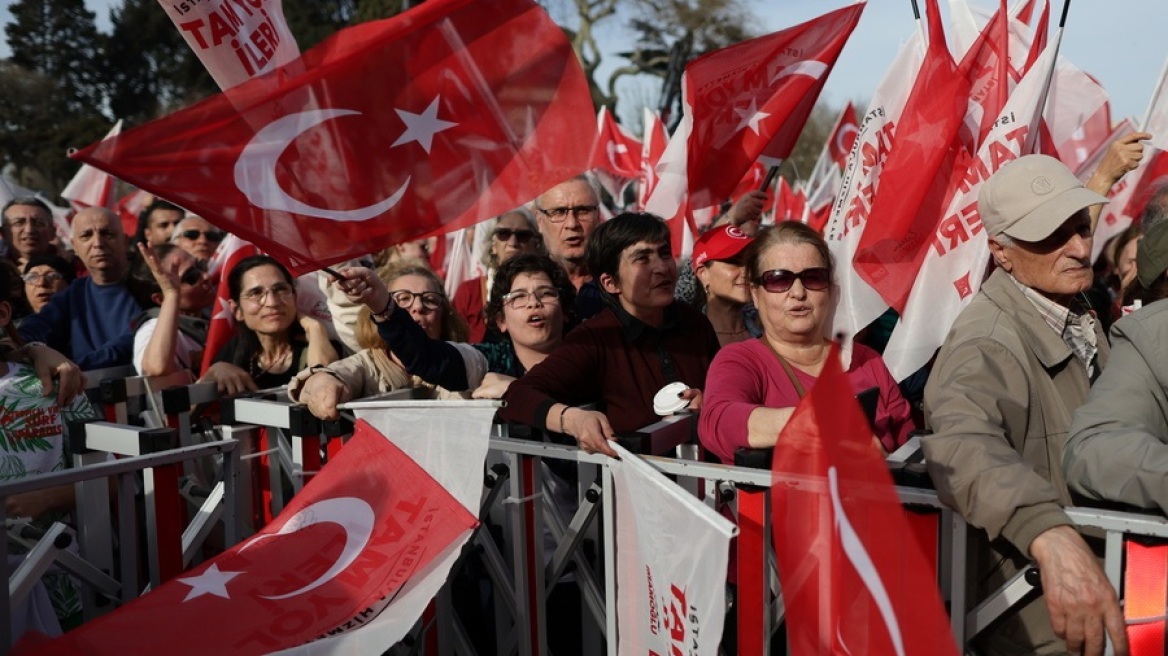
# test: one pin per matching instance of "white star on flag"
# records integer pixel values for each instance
(211, 581)
(224, 311)
(422, 127)
(750, 116)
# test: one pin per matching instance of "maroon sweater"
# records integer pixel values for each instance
(619, 361)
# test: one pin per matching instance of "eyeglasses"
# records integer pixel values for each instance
(405, 298)
(211, 235)
(581, 212)
(280, 291)
(518, 299)
(50, 277)
(35, 222)
(522, 236)
(195, 274)
(777, 281)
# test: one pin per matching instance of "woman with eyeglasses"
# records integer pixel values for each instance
(196, 236)
(273, 341)
(753, 386)
(45, 275)
(514, 233)
(415, 293)
(174, 288)
(530, 301)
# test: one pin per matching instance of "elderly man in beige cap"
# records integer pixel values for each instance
(1018, 360)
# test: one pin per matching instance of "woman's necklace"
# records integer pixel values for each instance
(730, 332)
(261, 368)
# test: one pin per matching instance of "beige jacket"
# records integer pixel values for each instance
(999, 402)
(371, 372)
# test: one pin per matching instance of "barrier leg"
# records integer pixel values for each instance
(527, 555)
(164, 521)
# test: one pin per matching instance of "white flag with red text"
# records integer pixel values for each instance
(235, 39)
(955, 263)
(860, 304)
(672, 551)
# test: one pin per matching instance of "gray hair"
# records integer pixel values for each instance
(586, 178)
(488, 232)
(1156, 209)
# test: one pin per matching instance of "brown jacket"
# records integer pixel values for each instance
(999, 403)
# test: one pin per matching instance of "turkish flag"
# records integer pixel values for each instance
(843, 136)
(615, 152)
(915, 180)
(388, 131)
(91, 187)
(854, 579)
(130, 206)
(354, 535)
(652, 147)
(744, 102)
(222, 326)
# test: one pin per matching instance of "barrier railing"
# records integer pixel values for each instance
(521, 572)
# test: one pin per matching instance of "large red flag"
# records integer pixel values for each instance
(345, 544)
(915, 179)
(435, 119)
(854, 578)
(746, 101)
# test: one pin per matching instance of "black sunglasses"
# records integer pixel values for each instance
(193, 275)
(211, 235)
(777, 281)
(522, 236)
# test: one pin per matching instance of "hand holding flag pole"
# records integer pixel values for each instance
(772, 173)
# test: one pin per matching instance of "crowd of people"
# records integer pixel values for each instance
(577, 323)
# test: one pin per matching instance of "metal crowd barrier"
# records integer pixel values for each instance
(521, 571)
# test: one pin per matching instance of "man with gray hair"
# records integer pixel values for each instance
(1018, 360)
(90, 320)
(567, 214)
(27, 229)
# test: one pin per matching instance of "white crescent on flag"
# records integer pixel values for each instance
(810, 67)
(354, 515)
(255, 170)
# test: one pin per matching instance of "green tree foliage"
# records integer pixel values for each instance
(58, 39)
(151, 69)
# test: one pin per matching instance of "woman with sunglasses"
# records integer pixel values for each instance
(414, 293)
(514, 233)
(273, 341)
(530, 302)
(174, 287)
(196, 236)
(753, 386)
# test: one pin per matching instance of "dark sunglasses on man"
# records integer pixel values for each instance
(521, 235)
(211, 235)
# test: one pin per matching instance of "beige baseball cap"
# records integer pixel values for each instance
(1030, 197)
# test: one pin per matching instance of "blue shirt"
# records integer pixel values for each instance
(89, 323)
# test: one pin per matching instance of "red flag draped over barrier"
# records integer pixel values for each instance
(351, 538)
(435, 119)
(854, 579)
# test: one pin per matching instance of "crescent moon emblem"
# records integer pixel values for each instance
(255, 170)
(810, 67)
(350, 513)
(841, 137)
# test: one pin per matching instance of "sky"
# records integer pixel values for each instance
(1116, 46)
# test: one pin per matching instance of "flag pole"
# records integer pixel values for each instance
(920, 24)
(772, 173)
(1032, 134)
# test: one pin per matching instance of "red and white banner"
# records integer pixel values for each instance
(854, 579)
(744, 102)
(235, 39)
(860, 304)
(834, 154)
(317, 165)
(916, 173)
(91, 187)
(341, 551)
(1156, 118)
(672, 551)
(451, 445)
(958, 252)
